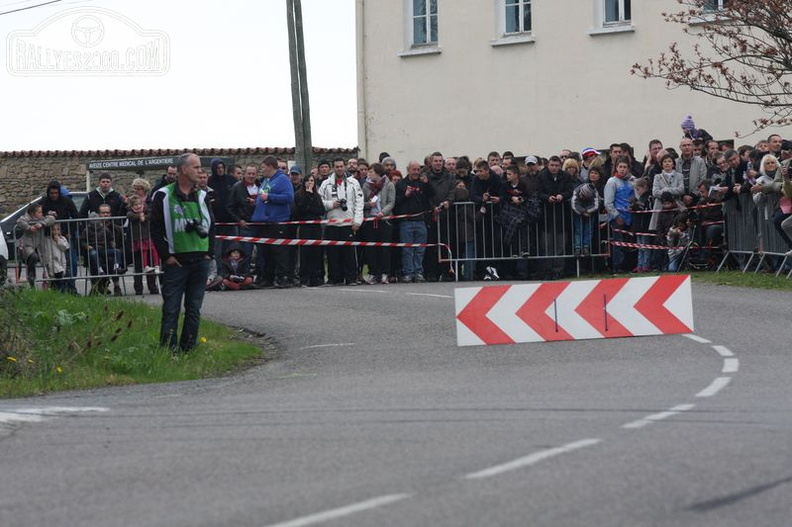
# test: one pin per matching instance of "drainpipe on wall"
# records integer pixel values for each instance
(360, 13)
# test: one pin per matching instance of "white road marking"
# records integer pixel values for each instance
(362, 290)
(428, 294)
(649, 419)
(696, 338)
(36, 415)
(342, 511)
(327, 345)
(716, 386)
(723, 351)
(532, 459)
(730, 365)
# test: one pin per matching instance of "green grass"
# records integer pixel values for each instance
(739, 279)
(50, 342)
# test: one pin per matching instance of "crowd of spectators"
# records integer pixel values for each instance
(599, 211)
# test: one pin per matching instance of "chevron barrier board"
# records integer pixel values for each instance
(590, 309)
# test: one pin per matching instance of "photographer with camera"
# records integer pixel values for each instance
(343, 200)
(182, 228)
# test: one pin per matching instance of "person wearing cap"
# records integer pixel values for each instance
(587, 156)
(531, 165)
(585, 204)
(295, 175)
(323, 171)
(689, 130)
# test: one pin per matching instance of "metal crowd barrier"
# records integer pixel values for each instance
(752, 238)
(99, 255)
(477, 237)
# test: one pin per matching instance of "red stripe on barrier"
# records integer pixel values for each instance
(474, 316)
(533, 312)
(651, 304)
(593, 308)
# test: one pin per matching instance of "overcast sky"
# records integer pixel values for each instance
(166, 74)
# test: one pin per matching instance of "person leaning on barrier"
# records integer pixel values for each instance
(379, 198)
(30, 227)
(62, 206)
(102, 241)
(485, 192)
(412, 198)
(442, 182)
(618, 196)
(182, 227)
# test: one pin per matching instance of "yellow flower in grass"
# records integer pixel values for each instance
(30, 361)
(58, 369)
(202, 340)
(11, 359)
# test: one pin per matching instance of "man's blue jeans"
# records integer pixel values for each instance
(187, 280)
(412, 257)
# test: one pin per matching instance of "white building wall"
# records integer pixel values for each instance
(567, 89)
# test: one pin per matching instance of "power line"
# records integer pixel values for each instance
(29, 7)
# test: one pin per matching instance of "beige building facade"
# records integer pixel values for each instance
(470, 76)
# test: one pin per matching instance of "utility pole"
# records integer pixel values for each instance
(301, 109)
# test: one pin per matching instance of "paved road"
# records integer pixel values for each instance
(372, 416)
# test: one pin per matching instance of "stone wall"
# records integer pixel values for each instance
(24, 175)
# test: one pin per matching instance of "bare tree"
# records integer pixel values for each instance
(743, 53)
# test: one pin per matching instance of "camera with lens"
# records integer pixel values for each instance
(343, 204)
(196, 226)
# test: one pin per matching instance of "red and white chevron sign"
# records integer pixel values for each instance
(591, 309)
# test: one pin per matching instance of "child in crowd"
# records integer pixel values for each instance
(235, 270)
(640, 226)
(144, 254)
(678, 238)
(619, 195)
(665, 220)
(585, 204)
(31, 225)
(54, 247)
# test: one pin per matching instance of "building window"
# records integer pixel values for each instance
(424, 22)
(517, 16)
(617, 12)
(711, 6)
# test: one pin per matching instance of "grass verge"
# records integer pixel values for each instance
(51, 341)
(740, 279)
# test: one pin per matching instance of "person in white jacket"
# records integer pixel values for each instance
(343, 200)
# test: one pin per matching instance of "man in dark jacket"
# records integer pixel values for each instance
(241, 203)
(555, 193)
(64, 209)
(413, 195)
(485, 192)
(221, 183)
(167, 178)
(104, 194)
(443, 184)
